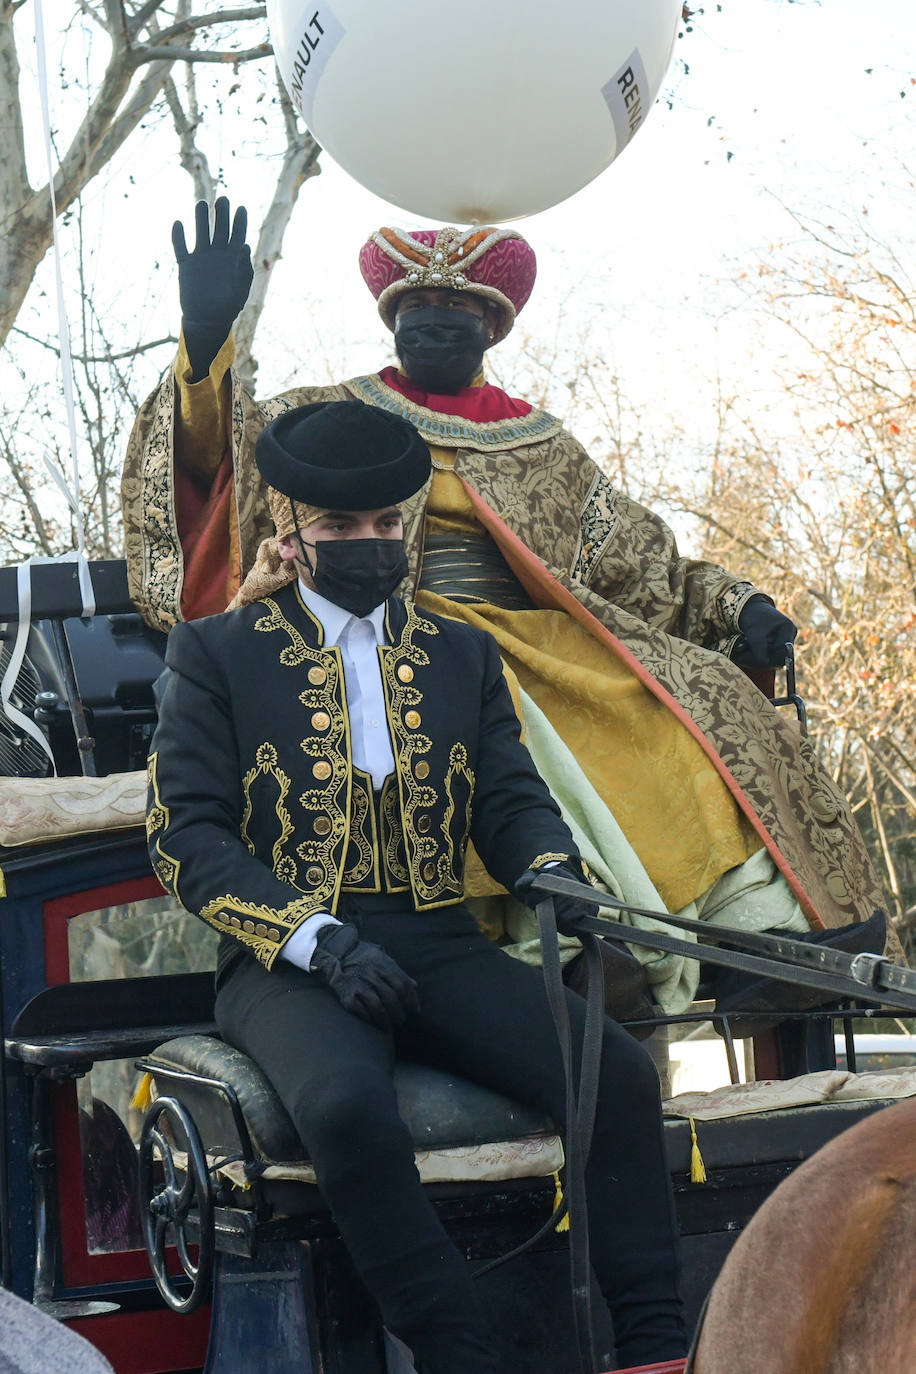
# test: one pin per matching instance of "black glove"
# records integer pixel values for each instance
(213, 281)
(363, 978)
(765, 633)
(569, 910)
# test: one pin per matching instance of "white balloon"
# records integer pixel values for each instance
(479, 111)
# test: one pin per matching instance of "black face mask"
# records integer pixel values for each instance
(441, 348)
(357, 574)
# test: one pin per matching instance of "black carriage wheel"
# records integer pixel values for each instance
(167, 1203)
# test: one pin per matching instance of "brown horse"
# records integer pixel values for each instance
(823, 1280)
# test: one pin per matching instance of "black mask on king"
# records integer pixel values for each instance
(441, 348)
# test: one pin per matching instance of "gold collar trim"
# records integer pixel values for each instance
(452, 431)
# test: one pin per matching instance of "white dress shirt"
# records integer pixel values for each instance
(358, 641)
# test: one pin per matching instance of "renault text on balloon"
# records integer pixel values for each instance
(303, 55)
(629, 89)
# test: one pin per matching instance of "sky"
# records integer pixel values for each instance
(769, 107)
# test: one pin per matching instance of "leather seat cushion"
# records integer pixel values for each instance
(441, 1111)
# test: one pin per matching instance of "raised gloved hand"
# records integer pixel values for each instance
(213, 280)
(569, 910)
(362, 977)
(765, 632)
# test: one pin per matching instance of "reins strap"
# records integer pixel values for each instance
(580, 1116)
(870, 977)
(591, 1044)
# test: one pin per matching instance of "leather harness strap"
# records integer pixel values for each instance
(867, 977)
(580, 1110)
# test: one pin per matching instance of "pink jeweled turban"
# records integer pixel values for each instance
(496, 263)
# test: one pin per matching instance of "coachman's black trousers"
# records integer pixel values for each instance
(485, 1016)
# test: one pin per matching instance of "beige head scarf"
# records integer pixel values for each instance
(270, 571)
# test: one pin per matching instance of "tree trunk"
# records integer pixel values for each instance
(24, 243)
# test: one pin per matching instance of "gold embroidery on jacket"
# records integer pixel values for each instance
(542, 859)
(433, 873)
(394, 857)
(266, 764)
(402, 699)
(297, 651)
(157, 815)
(363, 849)
(329, 802)
(263, 929)
(157, 818)
(287, 870)
(450, 863)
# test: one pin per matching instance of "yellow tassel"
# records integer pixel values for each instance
(697, 1167)
(144, 1094)
(558, 1202)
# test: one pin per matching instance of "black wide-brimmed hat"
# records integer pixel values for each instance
(342, 455)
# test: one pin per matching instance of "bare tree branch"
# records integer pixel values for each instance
(123, 126)
(193, 159)
(176, 54)
(26, 487)
(133, 352)
(299, 163)
(186, 26)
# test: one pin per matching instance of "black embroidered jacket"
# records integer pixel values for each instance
(257, 817)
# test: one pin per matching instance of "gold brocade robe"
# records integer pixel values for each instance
(585, 553)
(637, 755)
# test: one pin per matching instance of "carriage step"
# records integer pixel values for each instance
(233, 1230)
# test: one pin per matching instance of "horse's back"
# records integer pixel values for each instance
(822, 1280)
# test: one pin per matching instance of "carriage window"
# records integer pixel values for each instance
(136, 939)
(139, 939)
(109, 1130)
